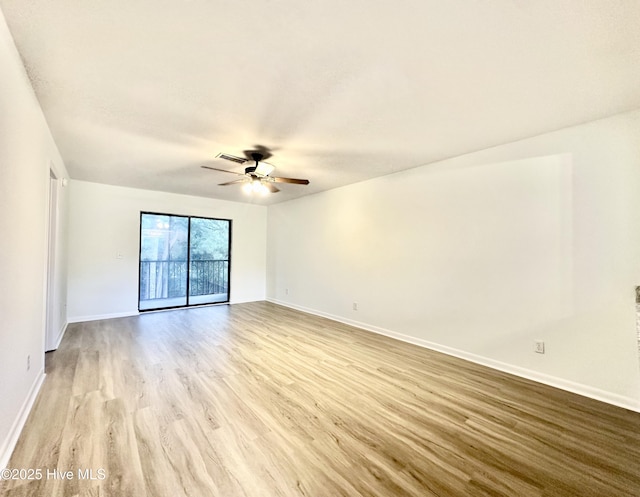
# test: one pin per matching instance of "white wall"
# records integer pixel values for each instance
(27, 151)
(105, 220)
(480, 255)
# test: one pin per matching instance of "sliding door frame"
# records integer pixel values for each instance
(189, 218)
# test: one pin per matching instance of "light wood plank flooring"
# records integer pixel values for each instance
(260, 400)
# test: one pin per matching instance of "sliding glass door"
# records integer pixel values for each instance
(184, 261)
(209, 261)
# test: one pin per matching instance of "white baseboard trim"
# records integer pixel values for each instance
(554, 381)
(6, 449)
(61, 333)
(98, 317)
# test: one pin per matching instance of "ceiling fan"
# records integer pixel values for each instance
(256, 177)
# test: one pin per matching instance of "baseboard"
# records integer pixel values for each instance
(246, 301)
(61, 333)
(98, 317)
(553, 381)
(6, 449)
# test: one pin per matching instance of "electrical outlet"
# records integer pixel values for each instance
(355, 306)
(539, 347)
(286, 291)
(28, 362)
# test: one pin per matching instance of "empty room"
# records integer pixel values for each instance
(277, 248)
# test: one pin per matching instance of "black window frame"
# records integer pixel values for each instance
(189, 217)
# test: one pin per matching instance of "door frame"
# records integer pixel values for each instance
(189, 217)
(51, 334)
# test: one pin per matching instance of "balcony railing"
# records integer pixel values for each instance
(168, 279)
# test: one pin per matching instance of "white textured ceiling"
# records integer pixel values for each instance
(141, 93)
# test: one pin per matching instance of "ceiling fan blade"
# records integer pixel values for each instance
(234, 182)
(271, 187)
(232, 158)
(290, 180)
(222, 170)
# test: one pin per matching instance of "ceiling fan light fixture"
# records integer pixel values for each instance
(255, 186)
(260, 188)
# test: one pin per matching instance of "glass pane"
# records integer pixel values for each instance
(163, 261)
(209, 271)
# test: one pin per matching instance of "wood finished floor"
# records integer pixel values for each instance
(260, 400)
